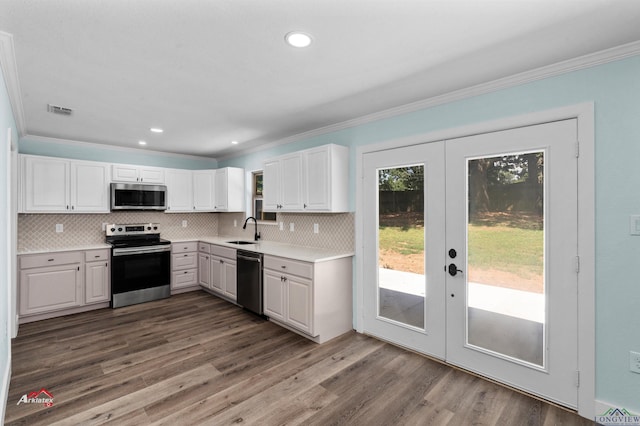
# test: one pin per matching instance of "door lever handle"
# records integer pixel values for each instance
(453, 270)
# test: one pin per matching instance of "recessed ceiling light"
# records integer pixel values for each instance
(142, 143)
(156, 130)
(298, 39)
(234, 142)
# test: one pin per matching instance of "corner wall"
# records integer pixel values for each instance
(614, 88)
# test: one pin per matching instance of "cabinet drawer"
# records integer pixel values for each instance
(227, 252)
(184, 261)
(96, 255)
(50, 259)
(186, 278)
(184, 247)
(295, 267)
(204, 247)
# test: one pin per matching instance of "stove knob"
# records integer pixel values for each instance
(155, 228)
(113, 229)
(148, 228)
(120, 229)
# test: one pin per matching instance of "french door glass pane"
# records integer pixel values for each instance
(505, 234)
(401, 275)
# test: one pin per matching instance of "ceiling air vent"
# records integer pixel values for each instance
(56, 109)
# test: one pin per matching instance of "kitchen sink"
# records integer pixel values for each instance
(240, 242)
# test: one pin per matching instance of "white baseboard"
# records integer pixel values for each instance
(602, 407)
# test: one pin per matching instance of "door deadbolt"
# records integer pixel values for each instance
(453, 253)
(453, 269)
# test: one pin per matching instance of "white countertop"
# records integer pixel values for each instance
(68, 248)
(290, 251)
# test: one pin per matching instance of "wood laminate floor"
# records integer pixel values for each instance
(196, 359)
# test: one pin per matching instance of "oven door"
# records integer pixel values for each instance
(137, 268)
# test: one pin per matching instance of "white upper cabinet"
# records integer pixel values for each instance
(271, 185)
(179, 190)
(313, 180)
(204, 190)
(89, 187)
(141, 174)
(220, 190)
(54, 185)
(229, 192)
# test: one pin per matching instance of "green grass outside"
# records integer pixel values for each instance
(401, 240)
(508, 249)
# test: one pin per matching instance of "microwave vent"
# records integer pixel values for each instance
(57, 109)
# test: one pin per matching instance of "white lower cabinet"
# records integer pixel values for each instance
(204, 265)
(96, 279)
(59, 283)
(311, 298)
(223, 271)
(184, 266)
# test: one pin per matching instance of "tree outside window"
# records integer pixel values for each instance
(258, 200)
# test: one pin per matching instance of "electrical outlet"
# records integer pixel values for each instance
(59, 227)
(291, 227)
(184, 223)
(316, 228)
(282, 226)
(235, 223)
(104, 226)
(634, 361)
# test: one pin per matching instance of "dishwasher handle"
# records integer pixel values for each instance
(250, 259)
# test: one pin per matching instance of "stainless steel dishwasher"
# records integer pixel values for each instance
(249, 280)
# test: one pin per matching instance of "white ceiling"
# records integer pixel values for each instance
(213, 71)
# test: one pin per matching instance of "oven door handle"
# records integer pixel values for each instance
(139, 250)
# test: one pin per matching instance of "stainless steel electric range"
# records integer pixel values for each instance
(140, 264)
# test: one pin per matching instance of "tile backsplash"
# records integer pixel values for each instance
(38, 231)
(336, 231)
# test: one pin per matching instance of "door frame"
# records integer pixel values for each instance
(585, 146)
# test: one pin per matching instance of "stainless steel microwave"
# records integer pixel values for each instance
(136, 196)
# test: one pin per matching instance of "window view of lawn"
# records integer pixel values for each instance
(505, 250)
(505, 230)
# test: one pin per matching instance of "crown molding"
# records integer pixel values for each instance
(101, 146)
(563, 67)
(10, 73)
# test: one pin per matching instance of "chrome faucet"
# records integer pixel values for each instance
(256, 237)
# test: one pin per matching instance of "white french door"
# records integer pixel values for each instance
(405, 292)
(492, 218)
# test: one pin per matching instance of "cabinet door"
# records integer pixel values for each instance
(299, 303)
(185, 278)
(89, 187)
(216, 274)
(204, 190)
(271, 185)
(151, 175)
(235, 195)
(230, 279)
(222, 190)
(49, 289)
(317, 179)
(291, 182)
(46, 185)
(96, 282)
(184, 261)
(124, 173)
(204, 270)
(273, 295)
(179, 189)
